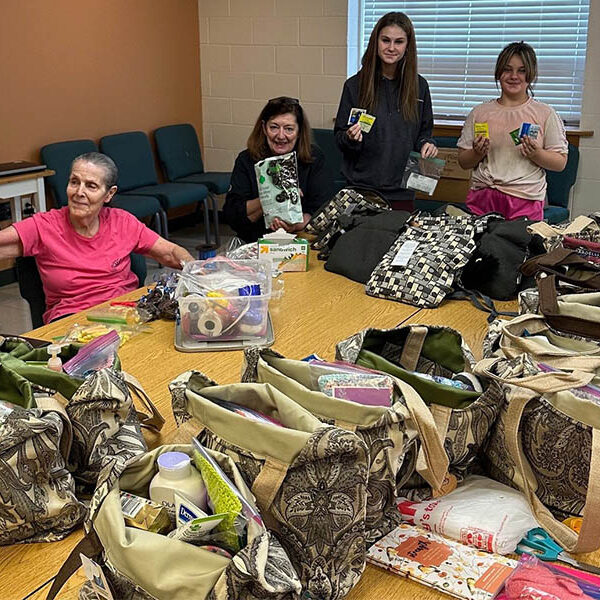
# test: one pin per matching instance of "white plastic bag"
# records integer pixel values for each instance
(481, 513)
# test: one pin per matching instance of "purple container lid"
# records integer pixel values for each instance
(173, 461)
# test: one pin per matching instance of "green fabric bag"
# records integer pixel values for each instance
(463, 418)
(309, 479)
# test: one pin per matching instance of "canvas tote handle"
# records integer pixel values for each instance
(267, 483)
(588, 539)
(432, 460)
(547, 231)
(549, 308)
(154, 421)
(559, 257)
(413, 346)
(541, 383)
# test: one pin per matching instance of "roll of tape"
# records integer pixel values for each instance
(210, 324)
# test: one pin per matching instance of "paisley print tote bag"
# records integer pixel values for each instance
(309, 479)
(546, 442)
(393, 433)
(180, 571)
(463, 417)
(37, 492)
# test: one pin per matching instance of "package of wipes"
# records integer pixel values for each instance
(278, 188)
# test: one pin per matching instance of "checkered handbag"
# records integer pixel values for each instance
(444, 245)
(324, 223)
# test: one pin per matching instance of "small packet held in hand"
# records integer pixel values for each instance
(278, 188)
(422, 174)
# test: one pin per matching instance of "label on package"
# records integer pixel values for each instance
(366, 122)
(481, 129)
(404, 253)
(530, 130)
(516, 138)
(421, 183)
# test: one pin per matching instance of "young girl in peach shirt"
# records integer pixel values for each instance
(508, 178)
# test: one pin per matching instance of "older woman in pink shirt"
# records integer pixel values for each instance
(82, 250)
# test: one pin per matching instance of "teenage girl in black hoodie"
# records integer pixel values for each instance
(389, 88)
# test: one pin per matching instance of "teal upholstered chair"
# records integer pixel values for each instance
(559, 188)
(31, 289)
(181, 160)
(59, 156)
(325, 140)
(137, 175)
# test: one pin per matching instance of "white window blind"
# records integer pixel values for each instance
(458, 43)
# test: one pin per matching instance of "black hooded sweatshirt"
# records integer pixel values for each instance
(378, 161)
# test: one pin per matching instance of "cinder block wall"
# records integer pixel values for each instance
(253, 50)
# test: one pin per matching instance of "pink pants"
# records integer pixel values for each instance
(488, 200)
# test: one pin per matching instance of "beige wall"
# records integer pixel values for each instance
(253, 50)
(71, 70)
(586, 192)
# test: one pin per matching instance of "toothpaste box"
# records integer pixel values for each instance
(286, 254)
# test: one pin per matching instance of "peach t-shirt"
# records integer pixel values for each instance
(504, 168)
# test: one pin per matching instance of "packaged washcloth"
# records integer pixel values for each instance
(278, 188)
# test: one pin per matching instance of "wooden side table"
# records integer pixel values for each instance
(12, 187)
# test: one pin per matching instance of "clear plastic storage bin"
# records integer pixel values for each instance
(223, 299)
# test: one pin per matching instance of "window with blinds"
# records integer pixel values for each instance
(458, 43)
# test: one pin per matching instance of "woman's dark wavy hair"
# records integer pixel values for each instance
(369, 75)
(527, 54)
(257, 142)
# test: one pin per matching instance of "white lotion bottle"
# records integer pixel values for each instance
(176, 474)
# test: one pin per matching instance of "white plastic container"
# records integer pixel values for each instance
(54, 362)
(176, 474)
(224, 300)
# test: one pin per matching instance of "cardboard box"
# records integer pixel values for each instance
(287, 255)
(452, 170)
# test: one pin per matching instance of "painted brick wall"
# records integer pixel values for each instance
(253, 50)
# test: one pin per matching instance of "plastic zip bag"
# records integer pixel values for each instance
(422, 174)
(96, 355)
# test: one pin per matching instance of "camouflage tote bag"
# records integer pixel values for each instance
(37, 492)
(546, 442)
(309, 479)
(392, 433)
(418, 354)
(180, 571)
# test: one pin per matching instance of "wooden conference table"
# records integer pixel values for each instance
(318, 309)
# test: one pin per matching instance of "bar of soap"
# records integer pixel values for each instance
(144, 514)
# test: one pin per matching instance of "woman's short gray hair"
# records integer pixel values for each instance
(111, 173)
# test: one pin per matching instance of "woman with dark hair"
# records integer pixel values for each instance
(281, 127)
(389, 88)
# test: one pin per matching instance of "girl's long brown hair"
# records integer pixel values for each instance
(257, 142)
(369, 75)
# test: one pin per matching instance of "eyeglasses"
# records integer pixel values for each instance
(284, 100)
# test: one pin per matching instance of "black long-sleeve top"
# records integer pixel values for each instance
(313, 181)
(378, 161)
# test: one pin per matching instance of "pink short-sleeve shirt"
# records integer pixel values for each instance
(79, 272)
(504, 168)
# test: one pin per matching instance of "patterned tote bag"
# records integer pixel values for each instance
(546, 442)
(421, 266)
(394, 434)
(418, 354)
(37, 492)
(180, 571)
(309, 479)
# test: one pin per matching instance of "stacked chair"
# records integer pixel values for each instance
(181, 160)
(137, 175)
